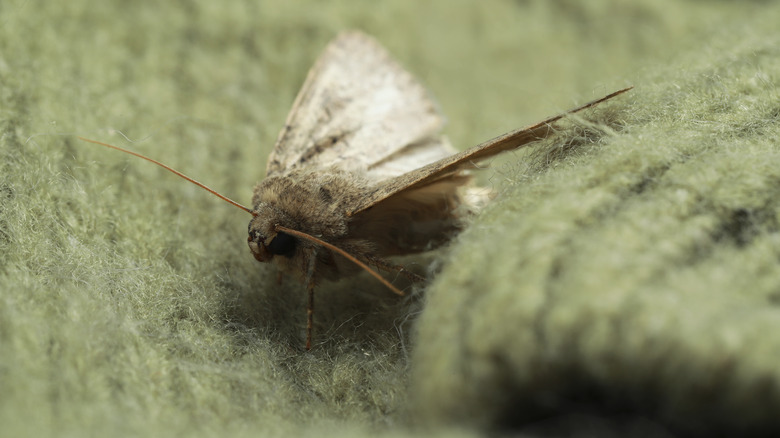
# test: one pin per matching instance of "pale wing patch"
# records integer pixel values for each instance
(476, 198)
(356, 108)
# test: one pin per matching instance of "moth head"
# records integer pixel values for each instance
(265, 241)
(268, 237)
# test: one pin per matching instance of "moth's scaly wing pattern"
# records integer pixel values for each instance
(467, 159)
(359, 111)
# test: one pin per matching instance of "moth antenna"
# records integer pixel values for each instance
(166, 167)
(345, 254)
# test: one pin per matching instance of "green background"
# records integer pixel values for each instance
(628, 286)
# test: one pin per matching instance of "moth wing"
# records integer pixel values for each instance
(450, 166)
(410, 158)
(357, 109)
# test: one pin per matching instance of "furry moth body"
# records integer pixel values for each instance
(360, 171)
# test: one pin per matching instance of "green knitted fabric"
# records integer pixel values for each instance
(624, 282)
(640, 278)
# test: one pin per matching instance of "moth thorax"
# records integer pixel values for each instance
(264, 240)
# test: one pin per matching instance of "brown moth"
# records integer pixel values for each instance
(360, 171)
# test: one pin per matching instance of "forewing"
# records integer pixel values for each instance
(467, 159)
(357, 108)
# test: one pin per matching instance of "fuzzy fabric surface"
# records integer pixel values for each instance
(625, 281)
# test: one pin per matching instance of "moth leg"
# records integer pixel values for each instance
(310, 290)
(390, 267)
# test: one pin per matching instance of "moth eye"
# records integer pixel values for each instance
(283, 245)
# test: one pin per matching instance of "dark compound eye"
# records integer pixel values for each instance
(282, 244)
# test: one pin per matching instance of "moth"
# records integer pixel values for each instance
(360, 171)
